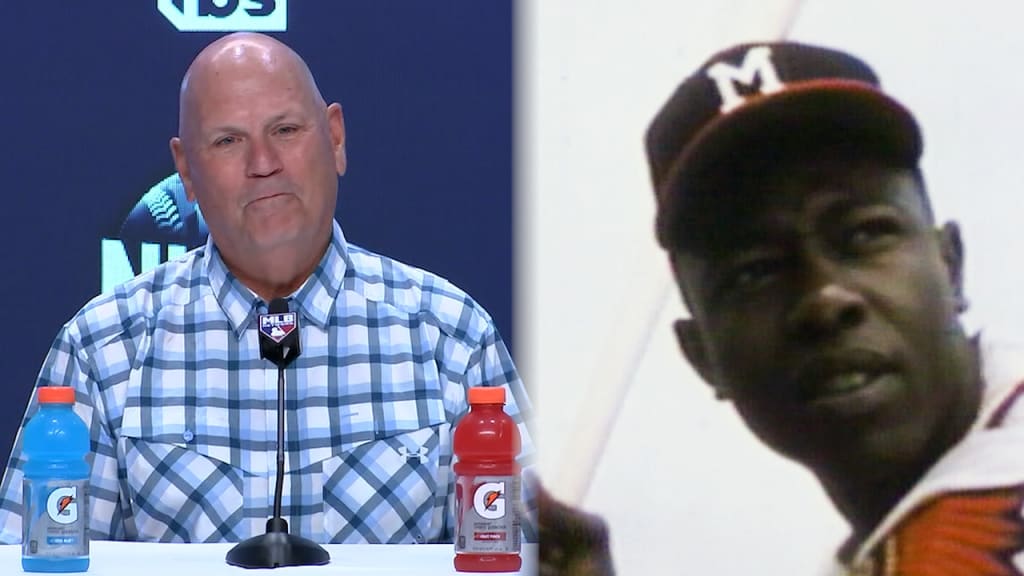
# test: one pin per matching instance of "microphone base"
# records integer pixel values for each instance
(277, 548)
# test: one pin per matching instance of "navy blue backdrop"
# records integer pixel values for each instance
(89, 101)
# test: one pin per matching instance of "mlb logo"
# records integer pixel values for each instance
(278, 326)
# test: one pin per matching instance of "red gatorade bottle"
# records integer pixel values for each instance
(487, 485)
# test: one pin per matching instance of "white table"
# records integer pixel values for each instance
(146, 559)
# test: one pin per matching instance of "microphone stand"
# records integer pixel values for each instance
(277, 547)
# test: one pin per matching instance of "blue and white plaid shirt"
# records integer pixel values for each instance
(182, 409)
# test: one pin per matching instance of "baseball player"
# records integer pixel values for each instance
(825, 306)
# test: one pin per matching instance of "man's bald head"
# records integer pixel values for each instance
(241, 52)
(261, 153)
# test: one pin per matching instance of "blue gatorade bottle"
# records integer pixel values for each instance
(55, 521)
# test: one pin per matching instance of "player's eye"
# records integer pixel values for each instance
(749, 274)
(870, 234)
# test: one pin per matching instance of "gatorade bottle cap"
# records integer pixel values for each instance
(487, 395)
(56, 395)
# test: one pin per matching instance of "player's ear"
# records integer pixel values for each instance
(952, 249)
(694, 348)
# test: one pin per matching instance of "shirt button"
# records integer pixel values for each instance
(418, 537)
(188, 436)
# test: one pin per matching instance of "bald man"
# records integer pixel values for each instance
(167, 367)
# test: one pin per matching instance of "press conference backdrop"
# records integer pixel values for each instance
(89, 100)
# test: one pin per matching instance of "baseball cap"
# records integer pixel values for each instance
(746, 100)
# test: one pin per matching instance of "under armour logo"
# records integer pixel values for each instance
(757, 62)
(420, 454)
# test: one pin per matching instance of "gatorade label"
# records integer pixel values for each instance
(55, 519)
(487, 515)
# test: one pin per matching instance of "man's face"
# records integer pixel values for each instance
(262, 154)
(825, 307)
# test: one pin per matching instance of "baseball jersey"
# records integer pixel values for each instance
(967, 513)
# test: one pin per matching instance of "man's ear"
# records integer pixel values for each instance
(181, 165)
(336, 127)
(694, 348)
(952, 249)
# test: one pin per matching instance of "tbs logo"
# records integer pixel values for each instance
(226, 15)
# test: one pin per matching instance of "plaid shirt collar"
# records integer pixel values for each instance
(314, 299)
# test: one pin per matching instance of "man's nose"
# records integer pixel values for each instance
(827, 306)
(263, 159)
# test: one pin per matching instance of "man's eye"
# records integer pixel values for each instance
(870, 235)
(287, 130)
(751, 274)
(225, 141)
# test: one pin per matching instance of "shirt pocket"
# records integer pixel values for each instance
(391, 490)
(177, 491)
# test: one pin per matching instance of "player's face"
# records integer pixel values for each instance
(825, 306)
(263, 158)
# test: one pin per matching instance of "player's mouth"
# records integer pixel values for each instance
(848, 382)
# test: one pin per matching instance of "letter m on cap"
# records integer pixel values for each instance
(757, 64)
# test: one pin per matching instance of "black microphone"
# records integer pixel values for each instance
(279, 335)
(279, 343)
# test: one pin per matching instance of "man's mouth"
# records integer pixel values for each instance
(834, 376)
(843, 383)
(268, 196)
